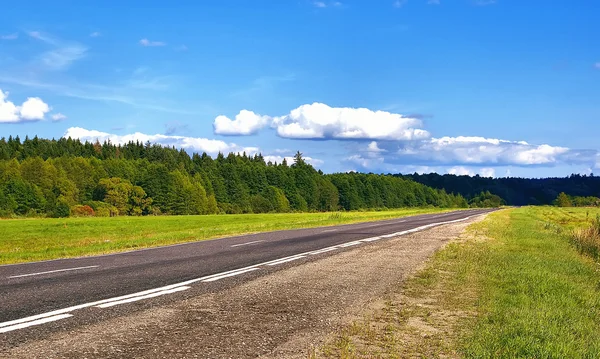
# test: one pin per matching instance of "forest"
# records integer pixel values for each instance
(65, 177)
(516, 191)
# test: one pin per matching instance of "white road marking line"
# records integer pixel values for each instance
(329, 230)
(286, 260)
(47, 315)
(230, 274)
(51, 271)
(35, 322)
(323, 250)
(135, 299)
(349, 244)
(245, 244)
(372, 239)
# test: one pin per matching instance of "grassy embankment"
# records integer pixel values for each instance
(24, 240)
(515, 286)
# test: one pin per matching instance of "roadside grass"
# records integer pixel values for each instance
(25, 240)
(512, 287)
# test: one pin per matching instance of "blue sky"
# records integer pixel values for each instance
(499, 88)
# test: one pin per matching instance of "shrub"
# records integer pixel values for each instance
(82, 211)
(62, 210)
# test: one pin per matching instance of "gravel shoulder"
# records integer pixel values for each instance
(285, 314)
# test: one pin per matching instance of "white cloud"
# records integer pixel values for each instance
(320, 121)
(319, 4)
(95, 34)
(487, 172)
(290, 160)
(473, 154)
(399, 3)
(245, 123)
(33, 109)
(148, 43)
(373, 147)
(9, 36)
(58, 117)
(197, 144)
(479, 150)
(460, 171)
(9, 112)
(369, 162)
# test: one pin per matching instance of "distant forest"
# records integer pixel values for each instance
(65, 177)
(514, 191)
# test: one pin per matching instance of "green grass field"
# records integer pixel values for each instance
(514, 287)
(26, 240)
(540, 297)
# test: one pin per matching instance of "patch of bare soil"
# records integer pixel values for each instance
(286, 314)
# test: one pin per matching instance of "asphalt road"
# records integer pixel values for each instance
(35, 294)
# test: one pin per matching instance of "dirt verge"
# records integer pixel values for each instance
(281, 315)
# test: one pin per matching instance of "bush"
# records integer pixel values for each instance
(62, 210)
(82, 211)
(101, 209)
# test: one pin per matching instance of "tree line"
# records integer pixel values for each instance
(564, 200)
(513, 191)
(41, 177)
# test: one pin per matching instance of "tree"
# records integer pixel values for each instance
(563, 200)
(125, 198)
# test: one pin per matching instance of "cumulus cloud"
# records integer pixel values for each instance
(460, 171)
(290, 159)
(148, 43)
(472, 154)
(196, 144)
(480, 150)
(320, 121)
(366, 162)
(465, 171)
(487, 172)
(373, 147)
(33, 109)
(245, 123)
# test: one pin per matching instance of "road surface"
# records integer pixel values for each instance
(62, 294)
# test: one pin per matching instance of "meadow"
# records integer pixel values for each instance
(25, 240)
(517, 285)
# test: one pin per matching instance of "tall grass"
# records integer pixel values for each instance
(587, 239)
